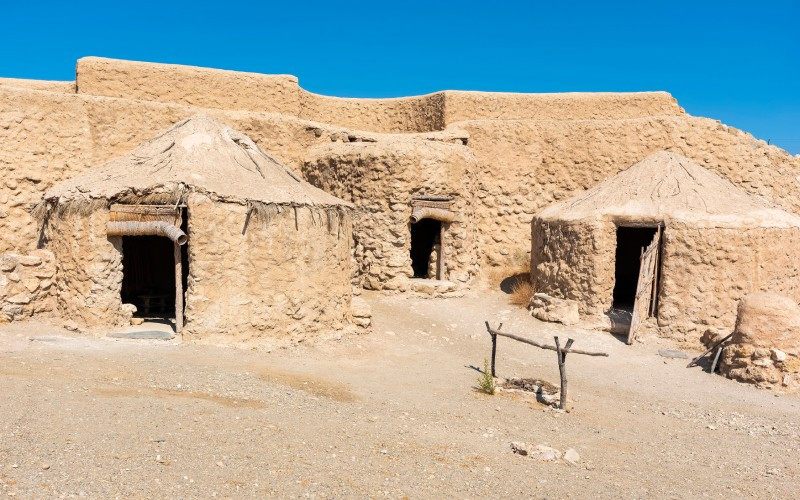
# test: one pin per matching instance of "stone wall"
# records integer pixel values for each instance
(26, 284)
(88, 270)
(381, 179)
(574, 262)
(271, 283)
(765, 346)
(523, 166)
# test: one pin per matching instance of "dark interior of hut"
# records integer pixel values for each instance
(630, 243)
(148, 275)
(424, 235)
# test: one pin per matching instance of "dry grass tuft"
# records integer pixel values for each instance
(514, 278)
(521, 292)
(486, 381)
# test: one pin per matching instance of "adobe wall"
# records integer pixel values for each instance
(49, 85)
(523, 166)
(189, 85)
(88, 270)
(26, 284)
(463, 106)
(574, 261)
(212, 88)
(271, 283)
(705, 270)
(381, 180)
(708, 270)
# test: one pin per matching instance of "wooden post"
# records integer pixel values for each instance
(440, 269)
(654, 293)
(494, 342)
(494, 352)
(178, 288)
(562, 357)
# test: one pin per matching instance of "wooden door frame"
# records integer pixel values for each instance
(647, 283)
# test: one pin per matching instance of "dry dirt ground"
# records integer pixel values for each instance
(391, 414)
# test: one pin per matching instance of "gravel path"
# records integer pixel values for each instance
(390, 414)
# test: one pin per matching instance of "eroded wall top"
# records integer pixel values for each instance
(212, 88)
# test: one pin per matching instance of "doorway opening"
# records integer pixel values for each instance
(425, 235)
(148, 275)
(631, 241)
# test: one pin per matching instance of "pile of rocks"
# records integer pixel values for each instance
(546, 308)
(765, 347)
(26, 284)
(545, 453)
(361, 312)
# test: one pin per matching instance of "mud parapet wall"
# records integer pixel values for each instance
(51, 86)
(212, 88)
(461, 106)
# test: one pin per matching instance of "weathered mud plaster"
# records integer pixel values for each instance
(381, 180)
(269, 256)
(529, 150)
(719, 244)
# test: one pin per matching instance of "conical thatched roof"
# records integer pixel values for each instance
(667, 186)
(199, 154)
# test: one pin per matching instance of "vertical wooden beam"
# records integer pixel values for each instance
(494, 352)
(654, 294)
(562, 370)
(178, 288)
(440, 269)
(494, 344)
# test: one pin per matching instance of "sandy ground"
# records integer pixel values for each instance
(391, 414)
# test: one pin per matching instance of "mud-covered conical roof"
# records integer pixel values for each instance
(667, 186)
(199, 154)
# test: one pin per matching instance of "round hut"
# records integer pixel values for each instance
(665, 238)
(415, 227)
(200, 226)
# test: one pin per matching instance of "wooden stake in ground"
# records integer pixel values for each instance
(494, 345)
(562, 370)
(562, 355)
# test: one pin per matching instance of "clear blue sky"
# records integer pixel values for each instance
(738, 62)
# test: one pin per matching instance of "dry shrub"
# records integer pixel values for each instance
(521, 292)
(486, 381)
(517, 265)
(514, 278)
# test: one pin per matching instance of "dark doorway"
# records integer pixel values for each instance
(148, 275)
(424, 235)
(630, 243)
